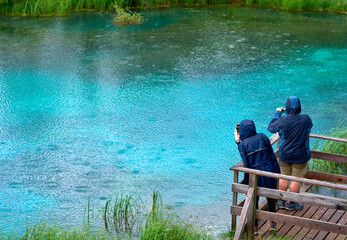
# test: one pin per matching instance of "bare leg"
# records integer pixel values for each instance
(283, 185)
(294, 187)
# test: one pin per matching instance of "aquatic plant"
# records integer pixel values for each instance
(125, 17)
(121, 213)
(332, 147)
(90, 212)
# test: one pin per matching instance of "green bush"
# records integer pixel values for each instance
(127, 18)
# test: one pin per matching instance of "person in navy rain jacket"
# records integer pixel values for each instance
(257, 153)
(294, 150)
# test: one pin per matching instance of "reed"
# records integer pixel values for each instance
(121, 213)
(91, 213)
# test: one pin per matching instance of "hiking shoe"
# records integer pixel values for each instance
(281, 204)
(256, 230)
(293, 206)
(273, 226)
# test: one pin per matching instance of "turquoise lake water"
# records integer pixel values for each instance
(88, 108)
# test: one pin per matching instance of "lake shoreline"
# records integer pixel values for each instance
(51, 8)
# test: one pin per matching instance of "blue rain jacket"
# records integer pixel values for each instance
(294, 130)
(257, 153)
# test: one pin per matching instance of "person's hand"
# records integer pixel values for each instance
(236, 135)
(279, 109)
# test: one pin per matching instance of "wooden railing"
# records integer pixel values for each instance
(248, 213)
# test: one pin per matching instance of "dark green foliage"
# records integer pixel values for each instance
(58, 7)
(295, 5)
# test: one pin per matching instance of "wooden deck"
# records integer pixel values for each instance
(322, 217)
(289, 231)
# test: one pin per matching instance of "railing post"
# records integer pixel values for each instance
(251, 217)
(235, 195)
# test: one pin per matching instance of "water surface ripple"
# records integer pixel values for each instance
(88, 108)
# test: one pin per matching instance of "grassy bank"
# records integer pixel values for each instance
(122, 217)
(296, 5)
(59, 7)
(332, 147)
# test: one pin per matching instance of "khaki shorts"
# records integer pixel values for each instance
(293, 169)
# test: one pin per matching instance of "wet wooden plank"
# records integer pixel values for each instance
(308, 214)
(286, 228)
(267, 234)
(343, 221)
(303, 232)
(326, 216)
(266, 225)
(341, 237)
(334, 219)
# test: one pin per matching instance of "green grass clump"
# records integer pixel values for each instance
(163, 225)
(123, 218)
(43, 231)
(331, 147)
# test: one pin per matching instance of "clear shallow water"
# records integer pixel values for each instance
(88, 108)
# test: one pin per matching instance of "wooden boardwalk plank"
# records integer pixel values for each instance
(318, 214)
(327, 215)
(286, 228)
(342, 221)
(264, 229)
(334, 219)
(308, 214)
(267, 234)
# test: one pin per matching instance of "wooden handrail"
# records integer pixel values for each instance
(274, 138)
(334, 157)
(297, 179)
(330, 177)
(344, 140)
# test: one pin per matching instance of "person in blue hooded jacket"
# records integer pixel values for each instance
(294, 150)
(257, 153)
